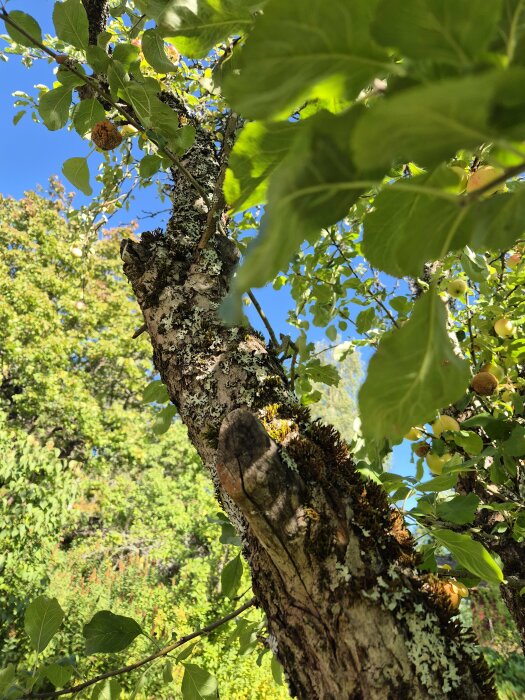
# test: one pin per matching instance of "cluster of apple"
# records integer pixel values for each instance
(434, 461)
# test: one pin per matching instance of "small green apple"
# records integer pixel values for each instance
(457, 288)
(435, 462)
(444, 423)
(504, 327)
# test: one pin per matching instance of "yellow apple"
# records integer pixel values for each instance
(504, 327)
(128, 130)
(483, 176)
(435, 462)
(444, 423)
(77, 252)
(457, 288)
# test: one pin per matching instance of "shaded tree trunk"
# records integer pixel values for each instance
(333, 567)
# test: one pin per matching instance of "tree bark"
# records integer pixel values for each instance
(333, 568)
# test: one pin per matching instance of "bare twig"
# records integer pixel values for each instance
(139, 331)
(153, 657)
(264, 319)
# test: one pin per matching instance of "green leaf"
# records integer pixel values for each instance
(86, 114)
(58, 674)
(277, 671)
(28, 24)
(515, 445)
(149, 165)
(198, 684)
(155, 53)
(433, 30)
(97, 58)
(196, 28)
(443, 482)
(301, 50)
(257, 152)
(107, 690)
(155, 392)
(231, 577)
(126, 54)
(118, 80)
(77, 172)
(313, 187)
(430, 123)
(365, 320)
(470, 554)
(469, 441)
(71, 23)
(7, 677)
(417, 221)
(325, 374)
(182, 139)
(163, 419)
(108, 633)
(18, 116)
(43, 617)
(68, 78)
(414, 373)
(460, 510)
(167, 672)
(186, 652)
(53, 107)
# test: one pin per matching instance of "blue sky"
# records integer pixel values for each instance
(31, 154)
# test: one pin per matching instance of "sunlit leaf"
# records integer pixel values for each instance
(28, 24)
(43, 617)
(77, 172)
(53, 107)
(470, 554)
(414, 373)
(71, 23)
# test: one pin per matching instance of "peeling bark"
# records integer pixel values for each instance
(349, 615)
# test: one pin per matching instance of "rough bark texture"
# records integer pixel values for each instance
(333, 568)
(98, 15)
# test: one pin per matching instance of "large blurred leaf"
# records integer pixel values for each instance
(258, 151)
(28, 24)
(314, 186)
(43, 617)
(470, 554)
(452, 32)
(510, 39)
(71, 23)
(428, 124)
(196, 27)
(299, 49)
(109, 633)
(414, 373)
(417, 221)
(53, 107)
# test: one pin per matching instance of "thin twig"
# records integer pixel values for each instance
(218, 199)
(94, 84)
(470, 331)
(153, 657)
(139, 331)
(264, 319)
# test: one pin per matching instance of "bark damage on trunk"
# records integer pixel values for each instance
(333, 567)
